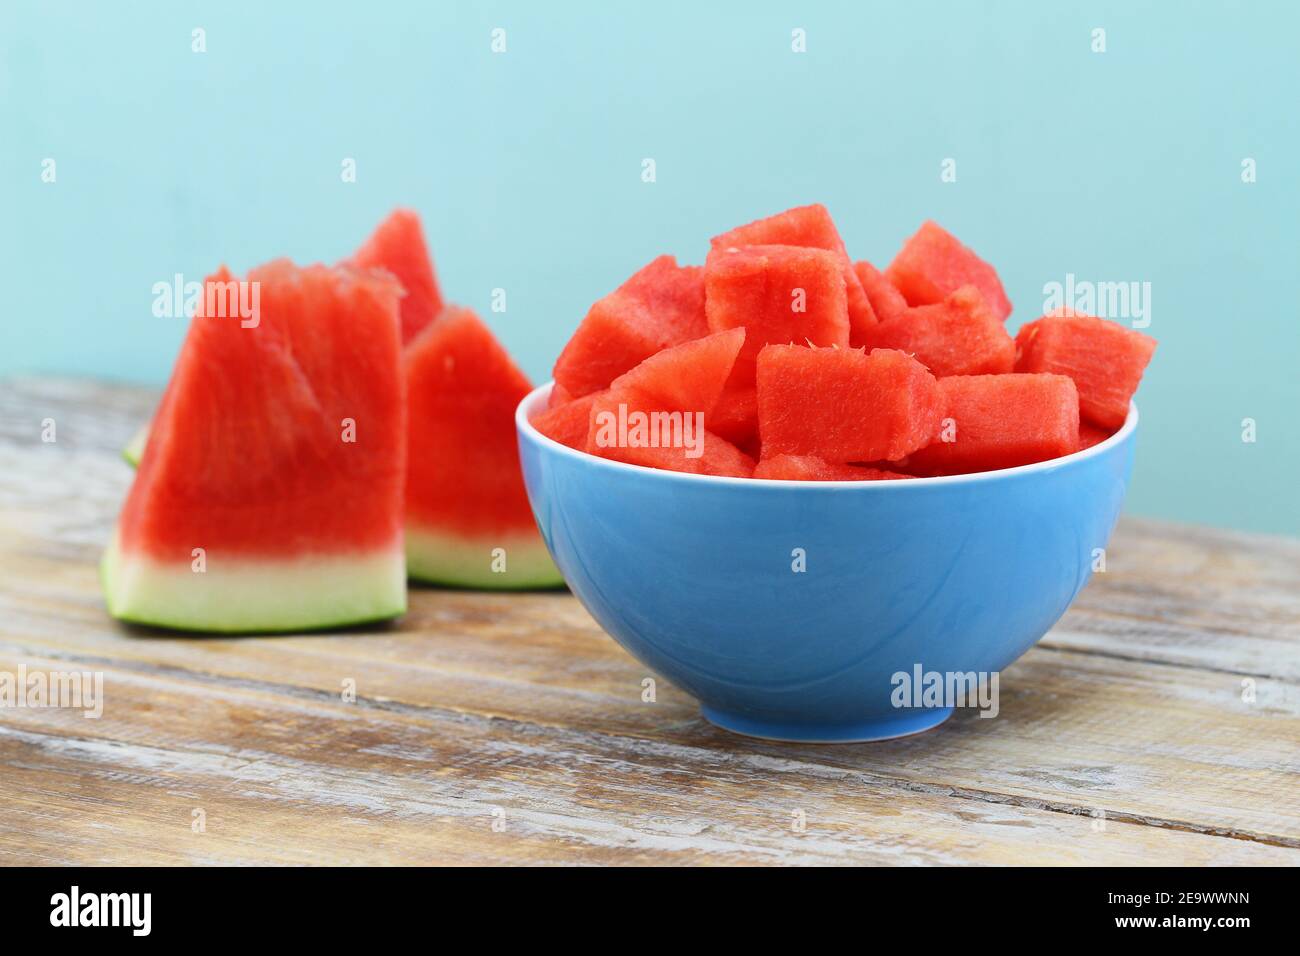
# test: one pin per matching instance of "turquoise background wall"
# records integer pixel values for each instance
(1123, 165)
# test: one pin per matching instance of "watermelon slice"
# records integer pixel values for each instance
(1105, 359)
(933, 263)
(885, 299)
(958, 336)
(778, 294)
(675, 442)
(398, 246)
(845, 405)
(468, 522)
(808, 226)
(568, 423)
(812, 468)
(660, 306)
(1000, 421)
(270, 497)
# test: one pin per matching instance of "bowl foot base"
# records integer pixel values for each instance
(905, 723)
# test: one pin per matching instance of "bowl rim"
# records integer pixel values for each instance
(524, 427)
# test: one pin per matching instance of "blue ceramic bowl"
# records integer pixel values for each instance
(696, 577)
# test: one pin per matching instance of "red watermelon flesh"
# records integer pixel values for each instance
(279, 452)
(468, 522)
(398, 245)
(778, 294)
(1105, 359)
(1090, 434)
(933, 263)
(559, 396)
(808, 226)
(1001, 421)
(958, 336)
(812, 468)
(845, 405)
(735, 416)
(660, 306)
(569, 423)
(687, 377)
(886, 300)
(634, 428)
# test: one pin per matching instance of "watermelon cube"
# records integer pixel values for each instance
(845, 405)
(1090, 434)
(1000, 421)
(958, 336)
(735, 416)
(812, 468)
(885, 299)
(933, 263)
(778, 294)
(1105, 359)
(659, 306)
(559, 396)
(567, 423)
(687, 377)
(808, 226)
(630, 427)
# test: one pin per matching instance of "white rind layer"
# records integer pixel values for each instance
(255, 595)
(437, 557)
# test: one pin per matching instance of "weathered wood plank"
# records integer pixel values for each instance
(337, 782)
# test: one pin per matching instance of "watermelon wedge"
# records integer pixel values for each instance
(269, 497)
(468, 522)
(397, 245)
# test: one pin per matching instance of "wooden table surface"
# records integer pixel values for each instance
(1159, 722)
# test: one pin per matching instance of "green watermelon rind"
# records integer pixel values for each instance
(295, 594)
(134, 449)
(436, 557)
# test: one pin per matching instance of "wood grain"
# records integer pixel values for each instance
(1123, 737)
